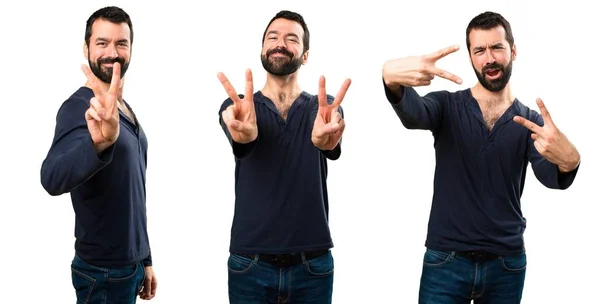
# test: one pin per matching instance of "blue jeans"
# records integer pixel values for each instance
(98, 285)
(448, 278)
(252, 281)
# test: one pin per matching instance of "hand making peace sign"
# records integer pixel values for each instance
(240, 117)
(418, 70)
(550, 142)
(329, 124)
(103, 115)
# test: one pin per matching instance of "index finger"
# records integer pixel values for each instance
(228, 87)
(249, 85)
(341, 93)
(443, 52)
(92, 79)
(115, 81)
(322, 96)
(532, 126)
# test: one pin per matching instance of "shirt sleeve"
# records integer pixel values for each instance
(148, 261)
(239, 150)
(72, 159)
(337, 151)
(546, 172)
(416, 112)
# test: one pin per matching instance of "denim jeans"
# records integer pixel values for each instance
(451, 279)
(98, 285)
(252, 281)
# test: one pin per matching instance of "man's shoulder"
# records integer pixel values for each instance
(80, 99)
(527, 112)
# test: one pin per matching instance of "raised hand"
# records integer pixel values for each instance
(240, 117)
(550, 142)
(103, 115)
(329, 124)
(417, 70)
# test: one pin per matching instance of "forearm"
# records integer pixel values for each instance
(64, 169)
(414, 111)
(148, 261)
(571, 160)
(240, 150)
(551, 176)
(333, 154)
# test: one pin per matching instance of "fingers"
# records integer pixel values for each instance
(249, 85)
(91, 114)
(228, 115)
(92, 79)
(442, 53)
(322, 95)
(98, 108)
(228, 87)
(115, 82)
(544, 111)
(149, 290)
(154, 287)
(329, 128)
(232, 123)
(533, 127)
(447, 75)
(342, 93)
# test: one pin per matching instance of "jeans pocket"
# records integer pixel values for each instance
(83, 284)
(123, 274)
(514, 263)
(435, 257)
(320, 266)
(239, 264)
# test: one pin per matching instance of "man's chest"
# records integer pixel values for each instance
(295, 128)
(488, 134)
(128, 113)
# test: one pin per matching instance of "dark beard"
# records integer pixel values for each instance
(106, 76)
(280, 66)
(495, 85)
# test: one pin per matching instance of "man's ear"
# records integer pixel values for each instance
(304, 57)
(514, 52)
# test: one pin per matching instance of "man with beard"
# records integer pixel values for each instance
(281, 137)
(484, 139)
(98, 155)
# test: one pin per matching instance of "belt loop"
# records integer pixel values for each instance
(303, 256)
(256, 257)
(452, 254)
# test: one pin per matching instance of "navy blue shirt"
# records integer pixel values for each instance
(107, 190)
(479, 174)
(281, 203)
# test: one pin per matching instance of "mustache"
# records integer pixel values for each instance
(120, 60)
(280, 51)
(492, 66)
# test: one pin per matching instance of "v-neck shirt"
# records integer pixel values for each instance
(108, 190)
(281, 202)
(479, 173)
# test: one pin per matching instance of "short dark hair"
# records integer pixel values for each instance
(110, 13)
(292, 16)
(489, 20)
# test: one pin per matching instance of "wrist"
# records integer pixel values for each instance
(99, 148)
(570, 166)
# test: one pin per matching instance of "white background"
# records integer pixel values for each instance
(381, 187)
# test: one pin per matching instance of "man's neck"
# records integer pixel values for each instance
(282, 89)
(484, 96)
